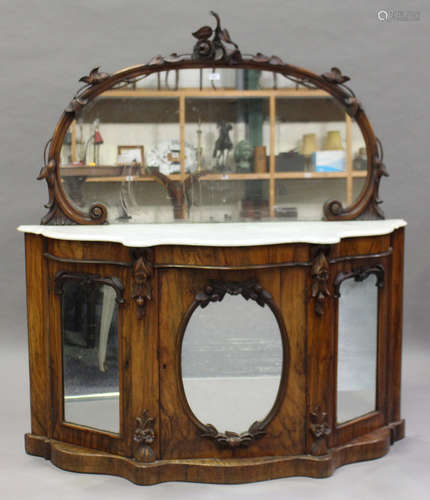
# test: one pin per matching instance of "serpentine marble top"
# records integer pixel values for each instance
(220, 234)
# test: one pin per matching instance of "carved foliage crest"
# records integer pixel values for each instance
(217, 48)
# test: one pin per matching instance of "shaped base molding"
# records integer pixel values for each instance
(210, 470)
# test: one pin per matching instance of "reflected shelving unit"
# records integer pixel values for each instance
(344, 185)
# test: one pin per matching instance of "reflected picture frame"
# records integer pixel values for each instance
(132, 158)
(131, 155)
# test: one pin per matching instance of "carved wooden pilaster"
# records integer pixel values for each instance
(142, 274)
(320, 277)
(320, 430)
(143, 437)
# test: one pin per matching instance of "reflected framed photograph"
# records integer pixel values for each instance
(130, 155)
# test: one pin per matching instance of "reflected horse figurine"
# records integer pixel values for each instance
(223, 145)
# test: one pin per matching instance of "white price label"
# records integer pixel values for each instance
(225, 177)
(308, 175)
(129, 178)
(214, 76)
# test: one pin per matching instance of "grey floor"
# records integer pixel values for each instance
(402, 474)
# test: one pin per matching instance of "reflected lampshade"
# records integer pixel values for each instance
(98, 139)
(309, 144)
(334, 141)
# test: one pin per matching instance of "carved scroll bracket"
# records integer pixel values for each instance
(359, 275)
(58, 206)
(142, 274)
(320, 430)
(320, 277)
(143, 437)
(91, 281)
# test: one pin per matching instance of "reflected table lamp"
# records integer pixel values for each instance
(309, 147)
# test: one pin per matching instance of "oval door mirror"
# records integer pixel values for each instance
(232, 360)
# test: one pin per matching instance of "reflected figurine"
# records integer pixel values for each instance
(243, 155)
(223, 146)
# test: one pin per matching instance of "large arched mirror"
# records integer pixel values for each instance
(213, 136)
(212, 145)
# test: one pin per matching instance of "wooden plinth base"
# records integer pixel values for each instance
(231, 471)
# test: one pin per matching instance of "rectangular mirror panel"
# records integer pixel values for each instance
(357, 348)
(89, 315)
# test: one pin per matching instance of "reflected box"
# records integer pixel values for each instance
(290, 161)
(328, 161)
(284, 212)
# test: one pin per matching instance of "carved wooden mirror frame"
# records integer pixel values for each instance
(215, 291)
(214, 49)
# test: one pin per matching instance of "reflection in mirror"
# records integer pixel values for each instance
(310, 134)
(357, 348)
(232, 356)
(214, 79)
(211, 146)
(89, 318)
(304, 199)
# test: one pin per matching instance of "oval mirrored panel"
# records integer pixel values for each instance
(212, 146)
(232, 358)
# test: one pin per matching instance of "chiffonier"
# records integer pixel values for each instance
(214, 294)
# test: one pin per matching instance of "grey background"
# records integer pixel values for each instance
(47, 45)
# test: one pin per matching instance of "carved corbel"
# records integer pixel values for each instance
(320, 430)
(320, 277)
(143, 437)
(142, 274)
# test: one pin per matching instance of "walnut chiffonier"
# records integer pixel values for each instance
(214, 294)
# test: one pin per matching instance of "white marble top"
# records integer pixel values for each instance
(222, 234)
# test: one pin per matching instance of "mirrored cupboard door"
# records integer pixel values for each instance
(361, 302)
(89, 354)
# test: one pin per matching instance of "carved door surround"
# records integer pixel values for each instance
(215, 291)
